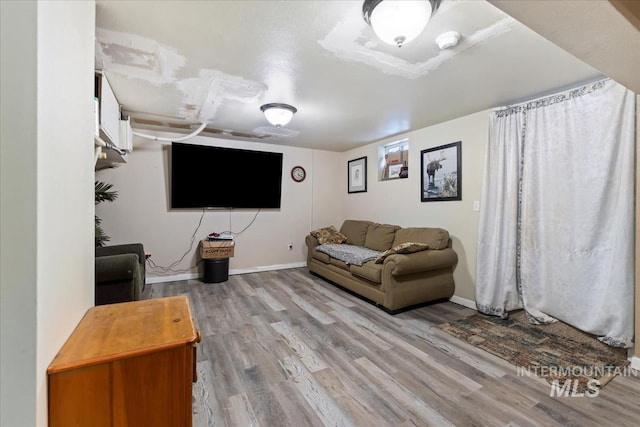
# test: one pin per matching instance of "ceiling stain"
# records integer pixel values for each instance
(131, 57)
(136, 57)
(148, 122)
(275, 133)
(211, 89)
(232, 134)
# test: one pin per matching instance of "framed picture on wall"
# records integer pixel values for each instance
(441, 173)
(357, 175)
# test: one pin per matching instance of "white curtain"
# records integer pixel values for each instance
(496, 285)
(573, 223)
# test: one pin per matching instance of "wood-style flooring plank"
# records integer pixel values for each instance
(415, 406)
(206, 406)
(329, 412)
(286, 348)
(307, 356)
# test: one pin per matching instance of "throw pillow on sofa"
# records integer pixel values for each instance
(328, 235)
(380, 236)
(436, 238)
(402, 248)
(356, 231)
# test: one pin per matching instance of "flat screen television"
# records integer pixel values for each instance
(215, 177)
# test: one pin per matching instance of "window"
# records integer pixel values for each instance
(393, 160)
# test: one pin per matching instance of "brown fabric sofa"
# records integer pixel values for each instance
(402, 280)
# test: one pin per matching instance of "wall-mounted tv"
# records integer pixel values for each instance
(215, 177)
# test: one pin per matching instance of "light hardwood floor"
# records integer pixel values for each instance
(285, 348)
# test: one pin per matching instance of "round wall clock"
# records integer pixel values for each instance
(298, 174)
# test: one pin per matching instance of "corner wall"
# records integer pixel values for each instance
(18, 138)
(635, 363)
(46, 256)
(65, 194)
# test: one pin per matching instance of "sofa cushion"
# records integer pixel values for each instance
(435, 238)
(368, 270)
(355, 230)
(350, 254)
(380, 236)
(341, 264)
(402, 248)
(328, 235)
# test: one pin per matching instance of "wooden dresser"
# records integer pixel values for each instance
(127, 364)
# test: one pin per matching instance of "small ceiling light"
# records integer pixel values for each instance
(448, 40)
(398, 21)
(278, 114)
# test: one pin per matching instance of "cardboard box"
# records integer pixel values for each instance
(394, 158)
(216, 248)
(398, 157)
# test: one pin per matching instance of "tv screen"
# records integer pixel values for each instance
(216, 177)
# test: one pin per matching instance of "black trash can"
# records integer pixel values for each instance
(216, 270)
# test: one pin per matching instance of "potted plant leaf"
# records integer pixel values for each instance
(103, 193)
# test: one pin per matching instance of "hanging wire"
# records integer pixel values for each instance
(152, 264)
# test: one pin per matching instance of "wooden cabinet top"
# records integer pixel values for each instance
(117, 331)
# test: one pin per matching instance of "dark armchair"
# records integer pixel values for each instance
(120, 273)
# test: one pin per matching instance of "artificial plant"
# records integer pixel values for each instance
(103, 194)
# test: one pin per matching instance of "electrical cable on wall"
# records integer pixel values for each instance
(244, 229)
(173, 264)
(170, 268)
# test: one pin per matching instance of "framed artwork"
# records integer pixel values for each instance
(357, 175)
(441, 173)
(394, 171)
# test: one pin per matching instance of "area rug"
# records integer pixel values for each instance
(556, 352)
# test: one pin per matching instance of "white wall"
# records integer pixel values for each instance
(141, 212)
(47, 172)
(636, 359)
(328, 175)
(18, 277)
(65, 253)
(398, 201)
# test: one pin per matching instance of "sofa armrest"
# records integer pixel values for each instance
(116, 268)
(420, 261)
(128, 248)
(311, 241)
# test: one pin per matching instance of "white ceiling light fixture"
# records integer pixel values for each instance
(398, 21)
(278, 114)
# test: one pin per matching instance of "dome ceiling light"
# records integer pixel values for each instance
(278, 114)
(398, 21)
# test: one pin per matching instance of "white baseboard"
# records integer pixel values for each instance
(174, 278)
(635, 363)
(196, 275)
(463, 302)
(267, 268)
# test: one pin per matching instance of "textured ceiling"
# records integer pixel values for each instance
(176, 63)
